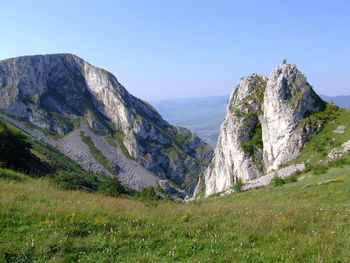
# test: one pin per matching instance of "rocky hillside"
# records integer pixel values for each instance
(89, 116)
(264, 128)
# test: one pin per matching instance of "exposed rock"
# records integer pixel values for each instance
(263, 128)
(242, 122)
(267, 179)
(340, 129)
(65, 95)
(287, 100)
(339, 152)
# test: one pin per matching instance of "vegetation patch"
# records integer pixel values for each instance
(98, 155)
(255, 142)
(73, 181)
(119, 137)
(238, 185)
(317, 120)
(14, 147)
(41, 223)
(12, 175)
(317, 148)
(111, 187)
(148, 194)
(278, 181)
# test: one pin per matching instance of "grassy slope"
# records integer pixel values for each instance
(271, 224)
(318, 147)
(41, 223)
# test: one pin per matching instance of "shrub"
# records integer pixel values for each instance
(255, 142)
(238, 185)
(148, 194)
(14, 147)
(293, 177)
(340, 162)
(72, 181)
(278, 181)
(319, 169)
(237, 113)
(112, 187)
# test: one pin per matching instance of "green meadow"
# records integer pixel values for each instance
(289, 223)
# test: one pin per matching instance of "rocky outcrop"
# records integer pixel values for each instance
(263, 128)
(236, 155)
(62, 95)
(340, 151)
(267, 178)
(287, 100)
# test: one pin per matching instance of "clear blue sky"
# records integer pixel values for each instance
(184, 48)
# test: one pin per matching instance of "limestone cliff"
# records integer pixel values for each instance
(263, 128)
(288, 99)
(79, 108)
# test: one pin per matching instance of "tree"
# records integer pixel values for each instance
(284, 61)
(14, 147)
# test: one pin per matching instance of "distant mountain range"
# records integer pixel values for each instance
(204, 115)
(342, 101)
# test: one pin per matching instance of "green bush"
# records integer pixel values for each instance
(237, 113)
(148, 194)
(255, 141)
(293, 177)
(72, 181)
(278, 181)
(340, 162)
(14, 147)
(319, 169)
(238, 185)
(111, 187)
(316, 169)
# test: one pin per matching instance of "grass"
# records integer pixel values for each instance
(119, 138)
(41, 223)
(12, 175)
(317, 148)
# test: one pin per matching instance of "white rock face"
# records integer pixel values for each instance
(287, 99)
(244, 150)
(231, 161)
(60, 92)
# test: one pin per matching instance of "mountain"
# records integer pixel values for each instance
(85, 113)
(204, 115)
(266, 126)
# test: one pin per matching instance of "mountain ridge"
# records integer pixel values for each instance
(69, 99)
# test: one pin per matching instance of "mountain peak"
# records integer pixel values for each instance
(66, 96)
(263, 127)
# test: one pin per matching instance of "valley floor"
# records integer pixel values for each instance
(39, 223)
